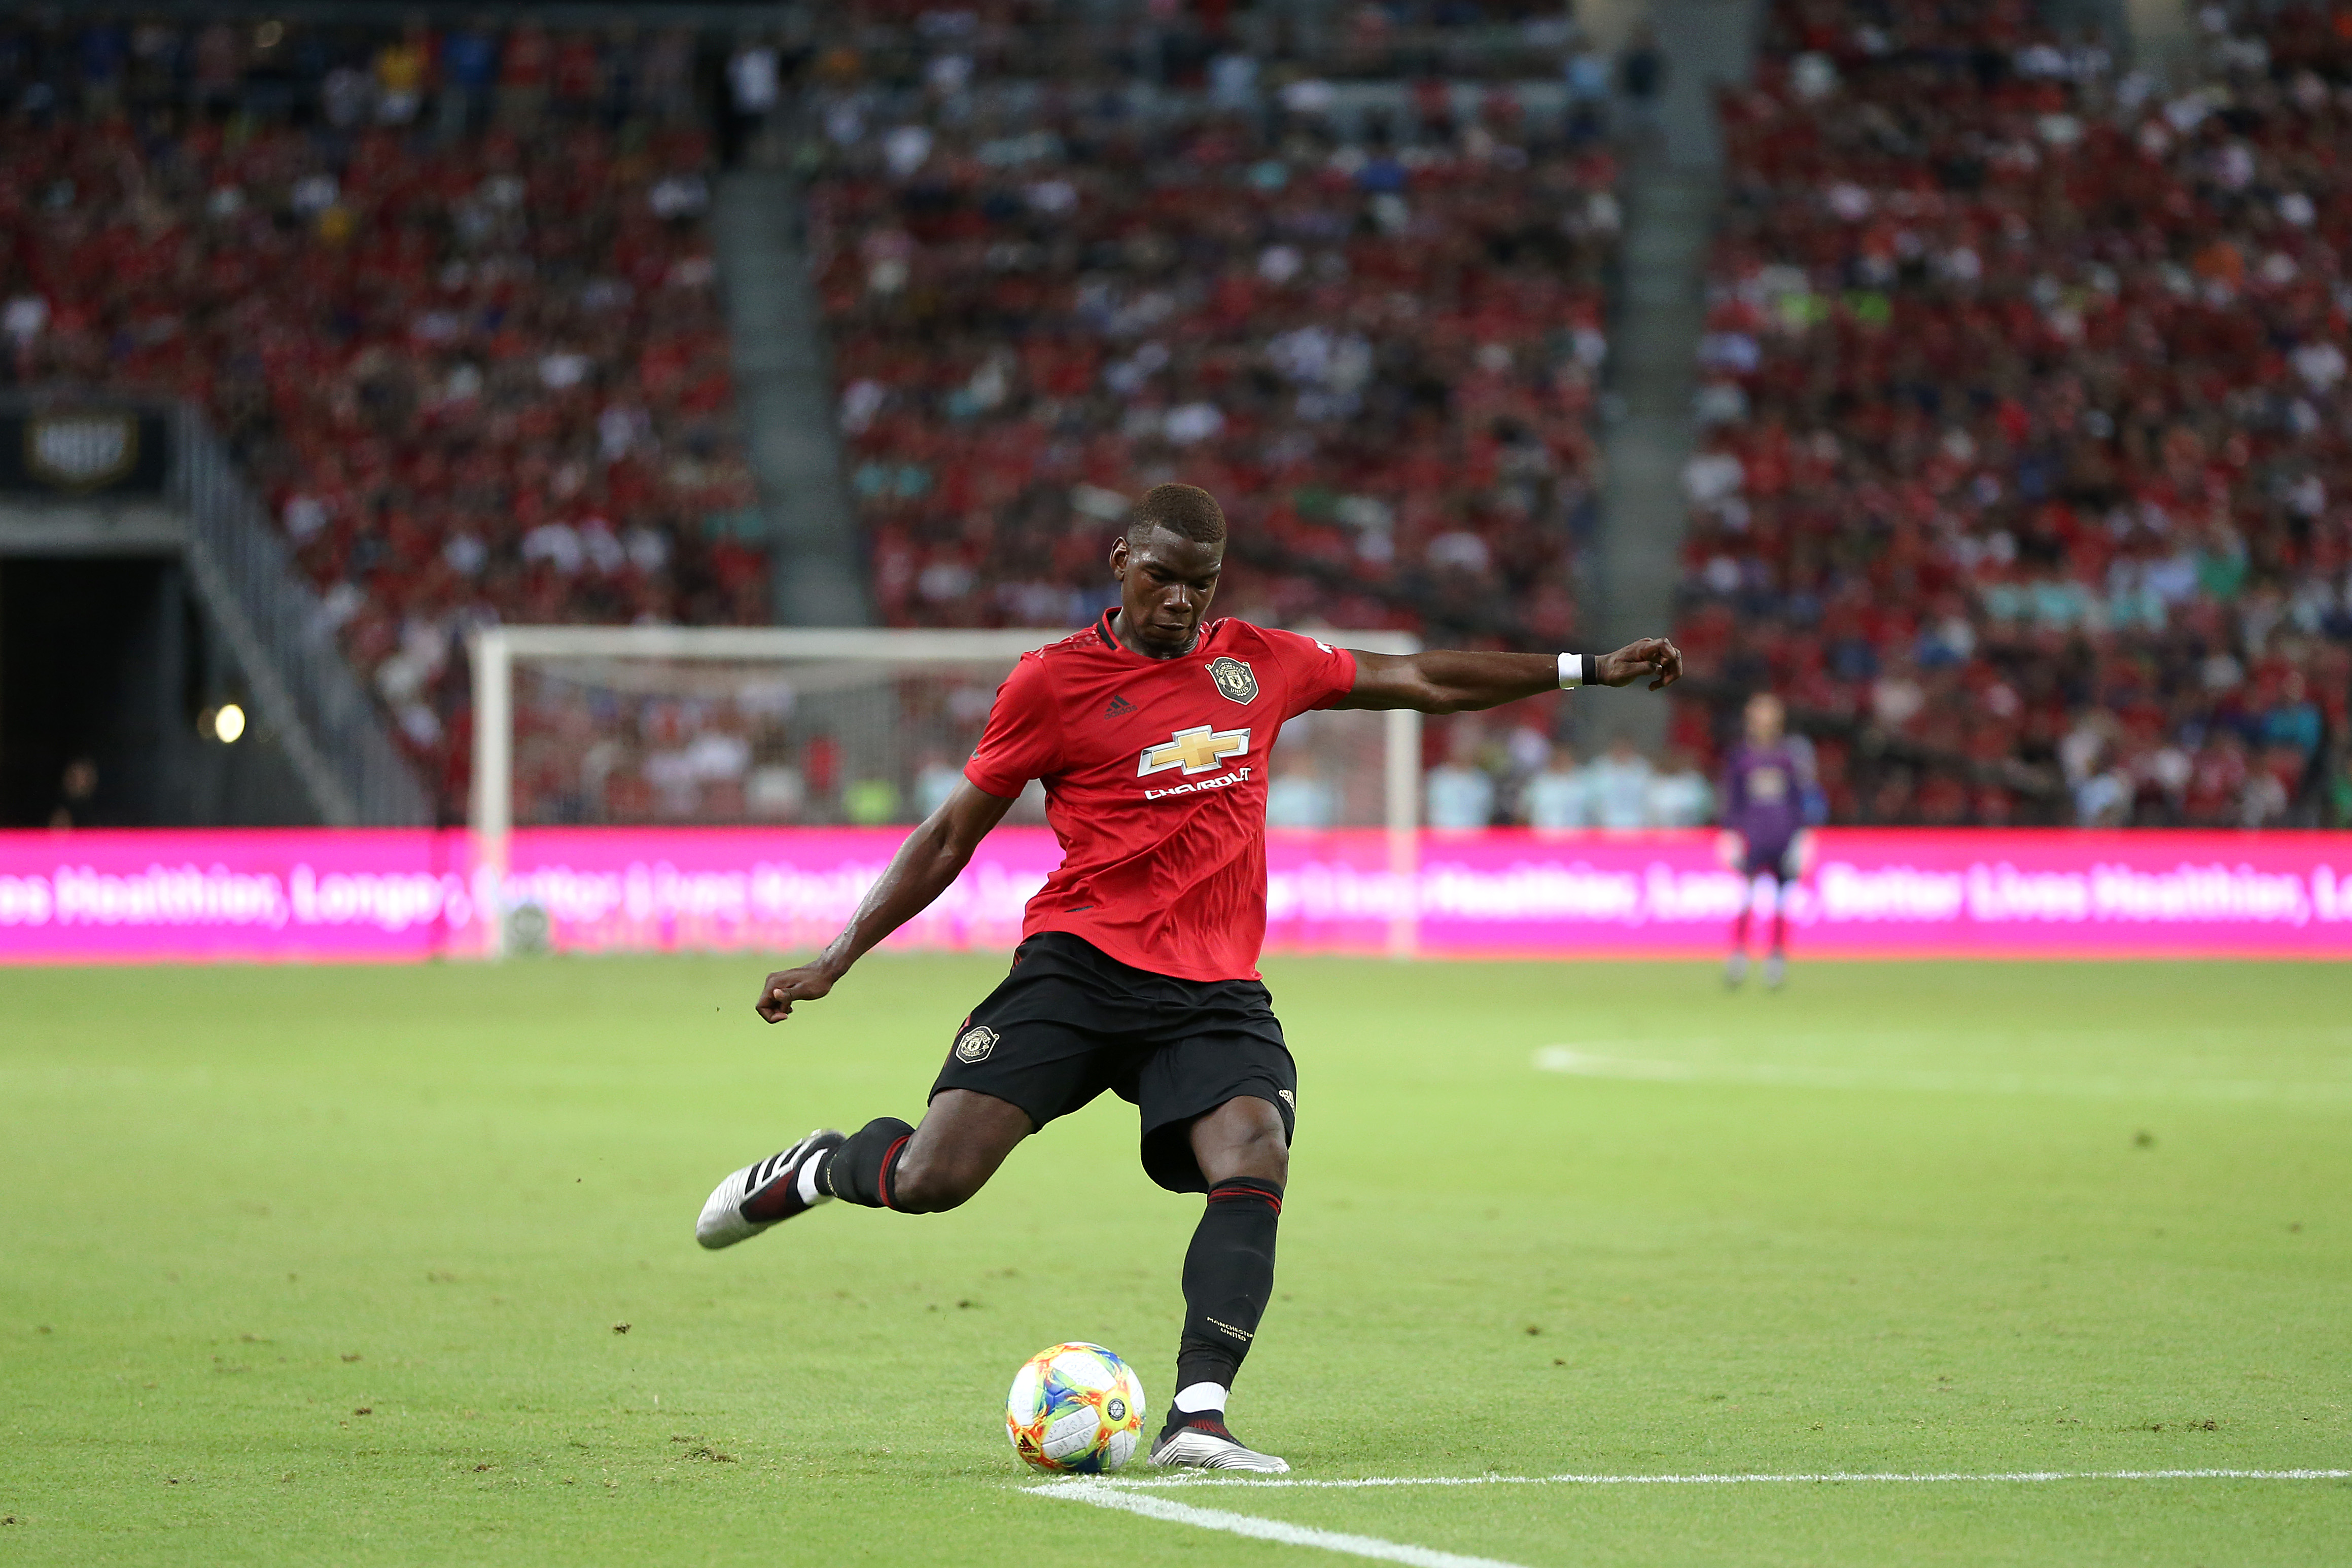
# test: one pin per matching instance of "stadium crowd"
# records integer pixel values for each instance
(1378, 342)
(449, 293)
(722, 744)
(2026, 448)
(2028, 431)
(1523, 778)
(449, 296)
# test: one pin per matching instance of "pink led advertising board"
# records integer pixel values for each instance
(293, 895)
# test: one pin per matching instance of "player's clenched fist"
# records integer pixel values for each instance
(785, 986)
(1646, 656)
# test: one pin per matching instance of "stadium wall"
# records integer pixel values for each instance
(408, 896)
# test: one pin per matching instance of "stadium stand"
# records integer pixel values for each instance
(2023, 466)
(1379, 342)
(2026, 454)
(450, 293)
(450, 296)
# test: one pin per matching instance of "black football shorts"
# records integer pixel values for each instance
(1070, 1021)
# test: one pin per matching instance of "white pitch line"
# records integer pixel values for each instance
(1935, 1477)
(1103, 1495)
(1582, 1063)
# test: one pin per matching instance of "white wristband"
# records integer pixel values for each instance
(1574, 670)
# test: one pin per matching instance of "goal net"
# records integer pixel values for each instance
(762, 728)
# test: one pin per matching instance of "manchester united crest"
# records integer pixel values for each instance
(1234, 678)
(976, 1044)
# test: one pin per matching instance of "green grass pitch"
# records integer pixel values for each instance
(333, 1266)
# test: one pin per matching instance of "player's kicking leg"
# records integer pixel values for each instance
(885, 1164)
(1228, 1277)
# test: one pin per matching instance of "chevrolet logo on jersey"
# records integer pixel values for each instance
(1195, 751)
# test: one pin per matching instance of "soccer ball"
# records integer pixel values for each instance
(1075, 1408)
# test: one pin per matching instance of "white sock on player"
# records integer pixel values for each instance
(1198, 1397)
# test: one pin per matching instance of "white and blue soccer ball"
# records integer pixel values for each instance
(1075, 1408)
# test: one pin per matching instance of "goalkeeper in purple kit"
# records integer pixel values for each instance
(1770, 800)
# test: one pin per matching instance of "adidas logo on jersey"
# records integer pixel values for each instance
(1119, 709)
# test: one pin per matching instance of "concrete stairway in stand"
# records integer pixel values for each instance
(783, 387)
(1672, 189)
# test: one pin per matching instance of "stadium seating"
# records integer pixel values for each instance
(1379, 350)
(452, 301)
(2024, 444)
(2025, 409)
(451, 296)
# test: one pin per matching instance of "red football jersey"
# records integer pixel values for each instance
(1155, 775)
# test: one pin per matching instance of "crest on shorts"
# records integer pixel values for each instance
(1234, 678)
(1289, 1098)
(976, 1044)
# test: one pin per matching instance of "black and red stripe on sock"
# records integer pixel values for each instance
(1228, 1279)
(865, 1168)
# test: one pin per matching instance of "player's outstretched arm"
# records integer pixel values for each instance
(933, 856)
(1440, 681)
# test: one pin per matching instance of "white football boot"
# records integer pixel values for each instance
(1209, 1446)
(722, 1223)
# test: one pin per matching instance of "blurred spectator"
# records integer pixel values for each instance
(1555, 797)
(470, 68)
(1641, 77)
(775, 793)
(1680, 795)
(1617, 786)
(753, 88)
(871, 803)
(2294, 723)
(76, 795)
(1299, 796)
(935, 781)
(526, 61)
(1587, 75)
(665, 87)
(400, 75)
(219, 66)
(1459, 793)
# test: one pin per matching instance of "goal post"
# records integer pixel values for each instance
(779, 727)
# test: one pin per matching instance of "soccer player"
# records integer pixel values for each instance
(1137, 971)
(1769, 798)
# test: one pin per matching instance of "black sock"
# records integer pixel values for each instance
(860, 1171)
(1228, 1277)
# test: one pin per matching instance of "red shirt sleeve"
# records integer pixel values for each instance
(1316, 673)
(1023, 738)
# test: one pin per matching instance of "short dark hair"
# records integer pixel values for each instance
(1185, 510)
